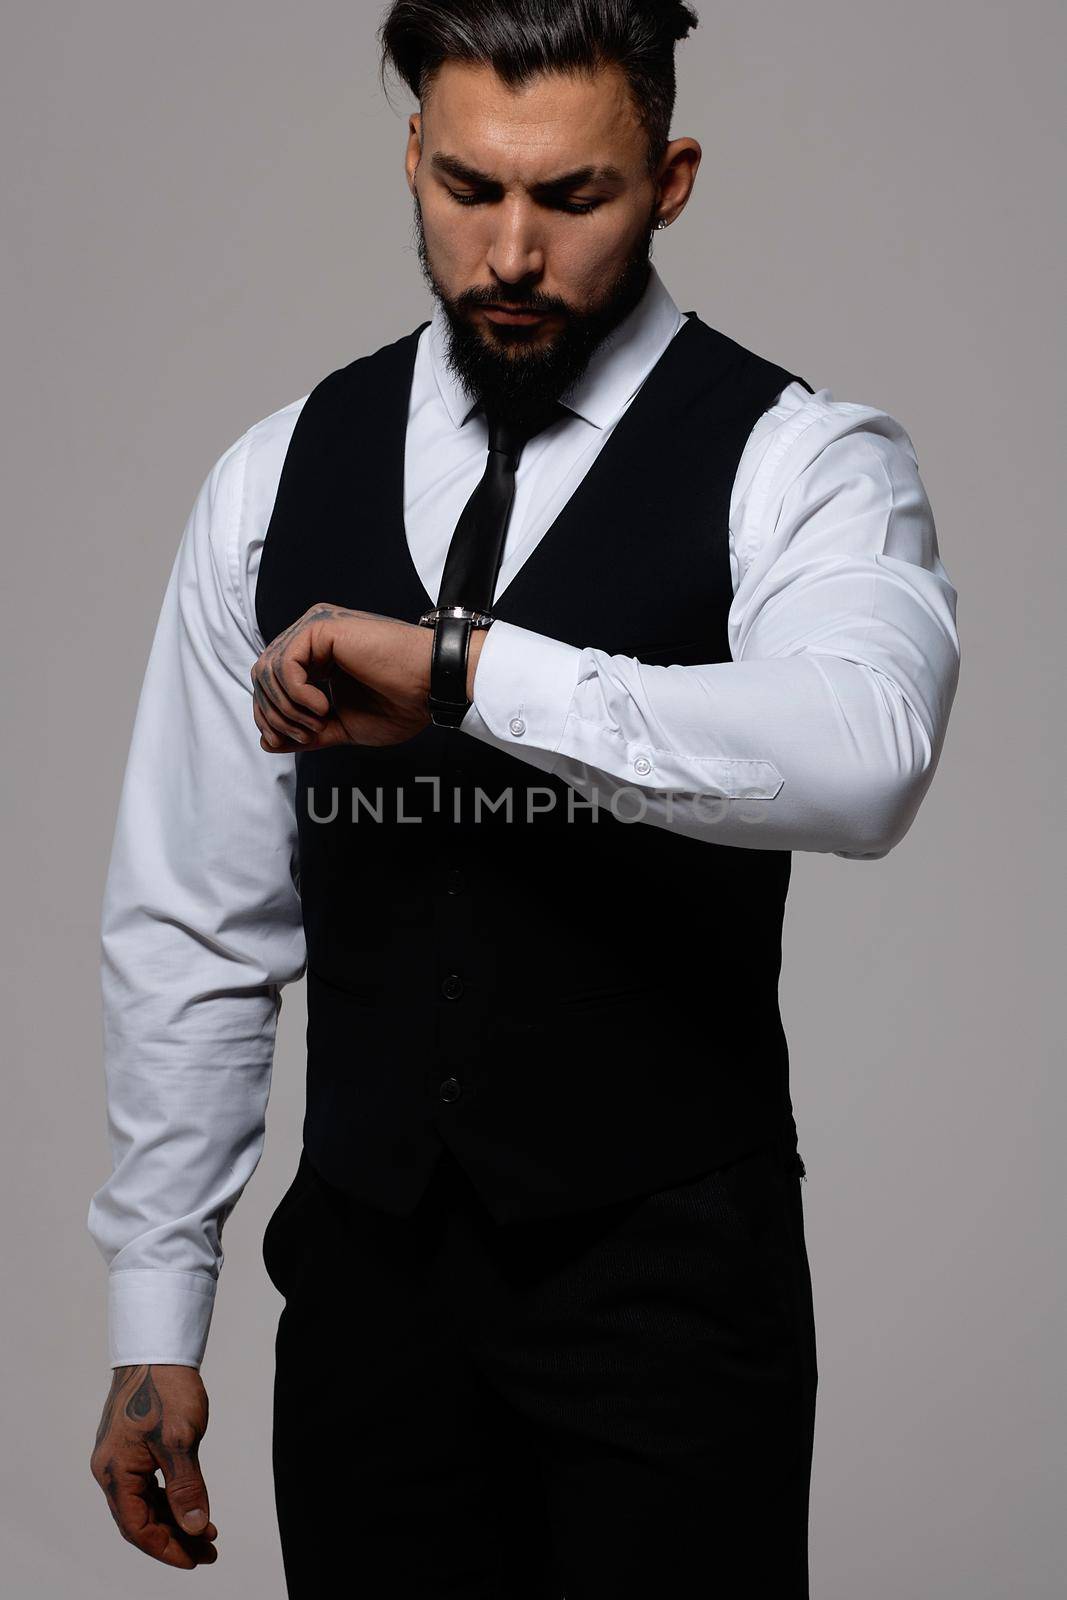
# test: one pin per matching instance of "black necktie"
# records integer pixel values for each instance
(477, 545)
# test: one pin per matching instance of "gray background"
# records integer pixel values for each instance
(205, 212)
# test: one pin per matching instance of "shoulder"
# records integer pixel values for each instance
(816, 443)
(226, 531)
(262, 450)
(799, 426)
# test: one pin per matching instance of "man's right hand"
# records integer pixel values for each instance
(153, 1419)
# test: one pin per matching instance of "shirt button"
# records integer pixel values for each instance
(451, 1089)
(517, 726)
(454, 882)
(452, 987)
(643, 765)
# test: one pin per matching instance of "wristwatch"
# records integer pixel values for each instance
(452, 626)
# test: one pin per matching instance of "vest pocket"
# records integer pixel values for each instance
(369, 991)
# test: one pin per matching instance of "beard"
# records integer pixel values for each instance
(517, 379)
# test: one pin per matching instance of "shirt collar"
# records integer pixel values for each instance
(615, 372)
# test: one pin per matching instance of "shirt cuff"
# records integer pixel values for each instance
(158, 1316)
(523, 689)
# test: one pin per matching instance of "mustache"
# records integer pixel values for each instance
(512, 299)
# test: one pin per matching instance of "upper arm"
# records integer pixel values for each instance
(839, 556)
(201, 893)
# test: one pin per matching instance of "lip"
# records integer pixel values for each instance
(518, 318)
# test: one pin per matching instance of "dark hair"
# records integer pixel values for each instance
(520, 38)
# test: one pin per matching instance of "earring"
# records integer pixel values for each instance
(663, 223)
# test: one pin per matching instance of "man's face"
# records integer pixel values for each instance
(536, 201)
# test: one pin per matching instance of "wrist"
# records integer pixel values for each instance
(458, 632)
(423, 661)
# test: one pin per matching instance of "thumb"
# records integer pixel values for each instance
(187, 1492)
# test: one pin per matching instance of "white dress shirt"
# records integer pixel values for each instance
(822, 733)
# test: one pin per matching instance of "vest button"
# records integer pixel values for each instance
(454, 882)
(452, 987)
(451, 1089)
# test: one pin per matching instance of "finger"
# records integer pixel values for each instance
(332, 735)
(269, 719)
(137, 1520)
(269, 698)
(281, 741)
(289, 671)
(282, 744)
(199, 1545)
(276, 690)
(303, 695)
(186, 1489)
(276, 736)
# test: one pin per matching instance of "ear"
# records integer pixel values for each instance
(677, 175)
(413, 154)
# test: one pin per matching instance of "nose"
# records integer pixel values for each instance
(515, 251)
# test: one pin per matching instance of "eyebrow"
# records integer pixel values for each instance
(453, 167)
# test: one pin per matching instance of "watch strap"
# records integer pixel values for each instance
(447, 698)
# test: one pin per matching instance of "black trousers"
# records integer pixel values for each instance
(618, 1403)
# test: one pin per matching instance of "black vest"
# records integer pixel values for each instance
(582, 1007)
